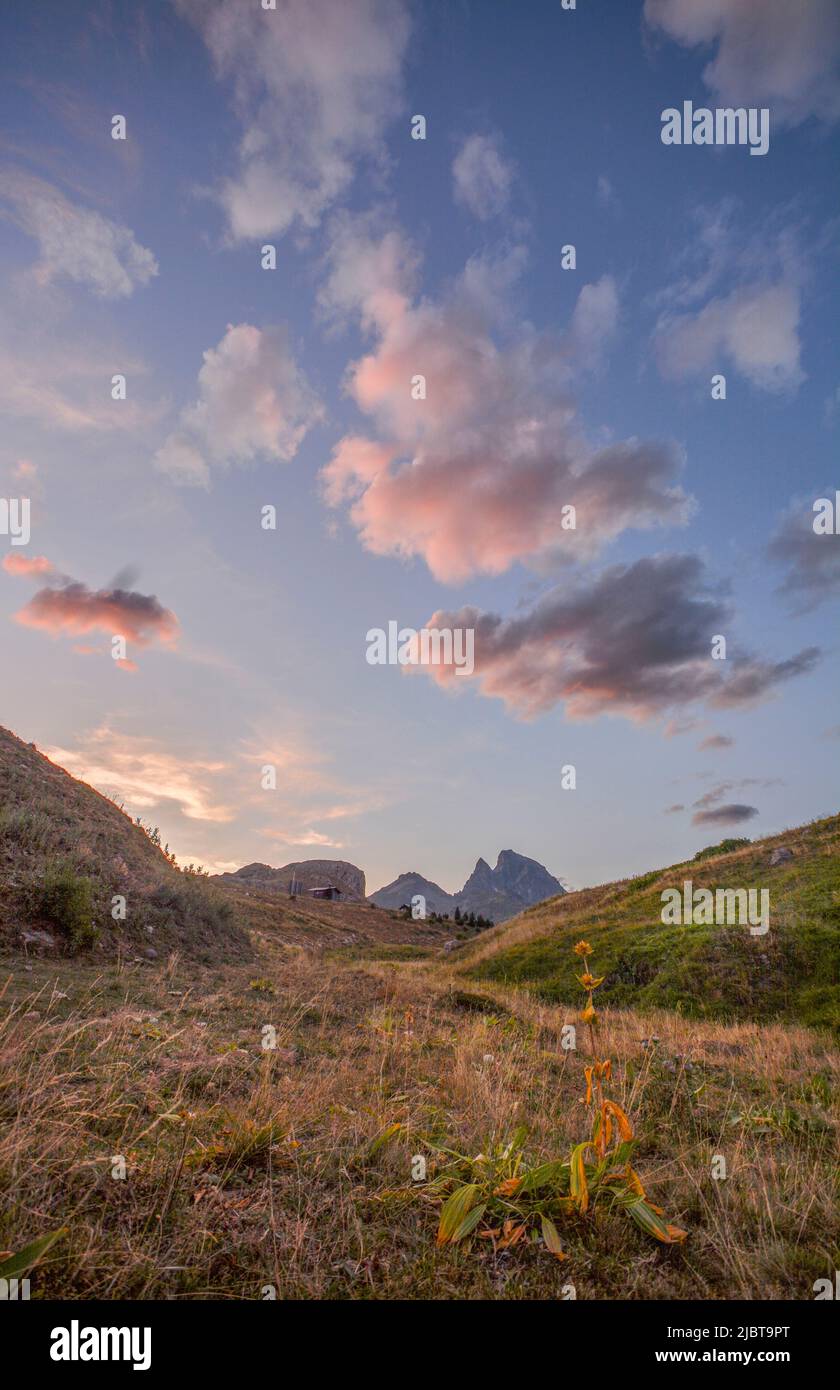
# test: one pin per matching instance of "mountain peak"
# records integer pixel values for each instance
(516, 882)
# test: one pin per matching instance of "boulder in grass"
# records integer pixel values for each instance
(780, 855)
(33, 939)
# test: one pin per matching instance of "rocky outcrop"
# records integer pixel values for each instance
(307, 873)
(780, 855)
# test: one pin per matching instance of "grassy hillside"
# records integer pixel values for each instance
(294, 1167)
(192, 1124)
(66, 852)
(357, 929)
(791, 973)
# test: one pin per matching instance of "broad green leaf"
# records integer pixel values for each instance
(652, 1223)
(545, 1175)
(469, 1222)
(29, 1255)
(454, 1210)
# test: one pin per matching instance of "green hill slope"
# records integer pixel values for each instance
(791, 973)
(66, 852)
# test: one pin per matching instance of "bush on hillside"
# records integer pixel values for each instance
(65, 899)
(725, 847)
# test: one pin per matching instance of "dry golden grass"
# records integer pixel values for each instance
(248, 1168)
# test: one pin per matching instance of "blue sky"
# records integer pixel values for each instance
(439, 256)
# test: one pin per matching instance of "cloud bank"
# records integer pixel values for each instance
(635, 640)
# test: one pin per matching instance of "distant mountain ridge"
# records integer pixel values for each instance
(516, 882)
(404, 888)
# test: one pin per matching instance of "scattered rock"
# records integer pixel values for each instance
(150, 953)
(780, 855)
(34, 937)
(450, 946)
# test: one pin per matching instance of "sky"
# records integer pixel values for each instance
(421, 379)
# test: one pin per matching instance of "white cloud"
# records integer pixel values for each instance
(482, 177)
(779, 53)
(253, 403)
(77, 243)
(317, 81)
(755, 329)
(370, 270)
(595, 319)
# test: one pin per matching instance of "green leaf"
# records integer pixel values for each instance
(454, 1211)
(645, 1217)
(623, 1153)
(518, 1139)
(29, 1255)
(545, 1175)
(469, 1222)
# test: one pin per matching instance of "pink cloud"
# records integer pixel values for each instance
(22, 566)
(145, 774)
(483, 471)
(75, 611)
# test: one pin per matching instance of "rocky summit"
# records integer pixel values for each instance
(516, 882)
